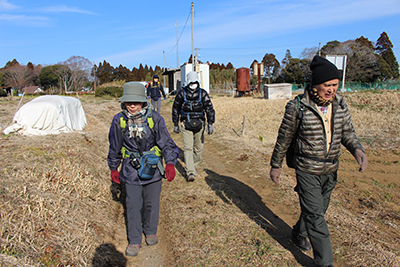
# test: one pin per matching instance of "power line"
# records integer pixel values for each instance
(181, 33)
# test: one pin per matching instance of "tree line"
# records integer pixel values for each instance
(366, 62)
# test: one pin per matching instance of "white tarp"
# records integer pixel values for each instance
(49, 114)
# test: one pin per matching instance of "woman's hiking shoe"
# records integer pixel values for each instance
(301, 242)
(132, 250)
(190, 177)
(151, 240)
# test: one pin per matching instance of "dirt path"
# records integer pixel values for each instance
(232, 214)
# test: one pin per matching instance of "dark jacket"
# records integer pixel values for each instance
(311, 140)
(193, 108)
(160, 136)
(154, 89)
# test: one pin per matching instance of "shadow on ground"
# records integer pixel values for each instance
(178, 165)
(107, 255)
(244, 197)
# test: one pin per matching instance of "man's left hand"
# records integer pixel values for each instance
(361, 159)
(210, 128)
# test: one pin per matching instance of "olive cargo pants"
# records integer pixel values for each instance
(314, 194)
(192, 148)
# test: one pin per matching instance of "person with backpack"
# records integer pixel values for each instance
(154, 91)
(191, 106)
(140, 140)
(318, 122)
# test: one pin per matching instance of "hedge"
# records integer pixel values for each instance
(113, 91)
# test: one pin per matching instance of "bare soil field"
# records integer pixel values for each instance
(56, 208)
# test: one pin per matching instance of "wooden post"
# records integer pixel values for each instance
(244, 120)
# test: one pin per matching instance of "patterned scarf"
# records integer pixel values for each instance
(312, 92)
(136, 123)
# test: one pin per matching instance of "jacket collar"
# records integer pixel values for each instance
(308, 102)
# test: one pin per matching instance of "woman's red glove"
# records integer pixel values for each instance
(170, 172)
(115, 176)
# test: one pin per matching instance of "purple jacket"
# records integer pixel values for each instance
(158, 135)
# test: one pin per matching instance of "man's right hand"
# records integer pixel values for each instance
(274, 175)
(176, 129)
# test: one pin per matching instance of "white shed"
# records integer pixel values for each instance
(278, 91)
(204, 73)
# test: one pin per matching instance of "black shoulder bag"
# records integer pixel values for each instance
(290, 155)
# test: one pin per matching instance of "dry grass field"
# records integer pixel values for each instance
(56, 208)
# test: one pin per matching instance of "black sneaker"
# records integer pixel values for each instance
(301, 242)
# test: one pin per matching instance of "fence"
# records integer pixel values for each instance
(223, 88)
(359, 86)
(230, 88)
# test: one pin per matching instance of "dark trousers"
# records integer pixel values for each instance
(142, 210)
(314, 194)
(156, 104)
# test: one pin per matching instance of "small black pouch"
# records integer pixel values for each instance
(194, 125)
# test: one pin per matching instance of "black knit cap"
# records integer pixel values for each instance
(323, 70)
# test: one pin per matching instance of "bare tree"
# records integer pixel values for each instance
(80, 72)
(309, 53)
(19, 76)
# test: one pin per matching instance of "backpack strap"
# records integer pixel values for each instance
(191, 105)
(150, 122)
(157, 151)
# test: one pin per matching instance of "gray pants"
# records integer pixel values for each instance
(314, 194)
(142, 210)
(192, 148)
(156, 104)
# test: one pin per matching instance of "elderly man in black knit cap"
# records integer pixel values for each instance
(318, 122)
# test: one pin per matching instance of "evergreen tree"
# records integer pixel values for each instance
(141, 73)
(229, 66)
(384, 48)
(365, 42)
(105, 72)
(329, 48)
(271, 65)
(286, 59)
(12, 63)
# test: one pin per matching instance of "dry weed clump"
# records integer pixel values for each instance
(375, 117)
(56, 206)
(353, 238)
(261, 123)
(52, 216)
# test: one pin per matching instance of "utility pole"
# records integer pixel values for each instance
(164, 66)
(94, 74)
(196, 58)
(193, 66)
(177, 45)
(319, 49)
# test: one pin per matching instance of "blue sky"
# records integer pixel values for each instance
(133, 32)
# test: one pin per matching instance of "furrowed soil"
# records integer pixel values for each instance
(56, 207)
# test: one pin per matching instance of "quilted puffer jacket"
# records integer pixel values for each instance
(310, 146)
(192, 107)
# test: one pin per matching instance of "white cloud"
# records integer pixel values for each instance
(61, 8)
(5, 6)
(24, 20)
(265, 17)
